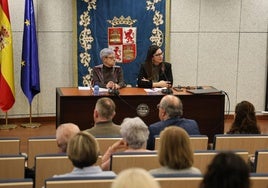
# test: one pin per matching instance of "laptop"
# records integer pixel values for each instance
(204, 90)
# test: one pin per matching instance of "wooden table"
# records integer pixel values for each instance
(76, 106)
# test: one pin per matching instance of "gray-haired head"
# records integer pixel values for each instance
(135, 132)
(106, 52)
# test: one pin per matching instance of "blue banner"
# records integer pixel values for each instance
(94, 18)
(30, 81)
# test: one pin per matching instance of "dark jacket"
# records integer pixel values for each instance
(190, 126)
(102, 75)
(165, 73)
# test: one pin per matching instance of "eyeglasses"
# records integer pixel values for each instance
(112, 58)
(159, 54)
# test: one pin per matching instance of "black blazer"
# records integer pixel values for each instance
(165, 74)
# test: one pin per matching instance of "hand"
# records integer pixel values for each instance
(119, 146)
(163, 83)
(110, 84)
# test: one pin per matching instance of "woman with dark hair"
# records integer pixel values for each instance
(227, 170)
(245, 121)
(154, 72)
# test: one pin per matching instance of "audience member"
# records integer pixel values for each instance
(175, 154)
(155, 72)
(108, 75)
(170, 113)
(134, 136)
(245, 121)
(83, 151)
(103, 115)
(64, 133)
(135, 178)
(227, 170)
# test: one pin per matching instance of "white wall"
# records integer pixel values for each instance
(212, 42)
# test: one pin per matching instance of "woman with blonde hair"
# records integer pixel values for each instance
(83, 151)
(135, 178)
(175, 153)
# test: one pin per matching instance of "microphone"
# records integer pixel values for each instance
(113, 91)
(168, 90)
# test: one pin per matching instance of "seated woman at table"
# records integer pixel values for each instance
(155, 72)
(108, 75)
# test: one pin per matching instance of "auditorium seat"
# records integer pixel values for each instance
(106, 142)
(198, 142)
(261, 161)
(16, 183)
(202, 158)
(179, 180)
(124, 160)
(12, 166)
(9, 145)
(50, 164)
(248, 142)
(81, 182)
(149, 160)
(40, 145)
(259, 180)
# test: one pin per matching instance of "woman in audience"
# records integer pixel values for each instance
(135, 178)
(175, 153)
(83, 151)
(227, 170)
(245, 121)
(134, 139)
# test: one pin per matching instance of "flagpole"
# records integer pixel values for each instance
(30, 124)
(6, 125)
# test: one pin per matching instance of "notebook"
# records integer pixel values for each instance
(204, 90)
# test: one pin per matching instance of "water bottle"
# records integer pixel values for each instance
(96, 90)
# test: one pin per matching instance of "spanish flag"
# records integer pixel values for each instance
(7, 90)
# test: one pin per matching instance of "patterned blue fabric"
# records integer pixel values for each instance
(92, 32)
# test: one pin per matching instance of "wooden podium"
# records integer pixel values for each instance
(77, 106)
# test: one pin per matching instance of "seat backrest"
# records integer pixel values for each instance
(16, 183)
(248, 142)
(81, 182)
(202, 158)
(12, 166)
(198, 142)
(259, 180)
(185, 181)
(106, 142)
(124, 160)
(261, 161)
(47, 166)
(9, 145)
(40, 145)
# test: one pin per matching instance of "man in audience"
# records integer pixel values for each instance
(170, 113)
(103, 115)
(64, 133)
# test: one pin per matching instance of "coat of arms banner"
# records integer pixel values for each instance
(129, 27)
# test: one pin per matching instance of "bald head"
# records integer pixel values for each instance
(172, 106)
(64, 133)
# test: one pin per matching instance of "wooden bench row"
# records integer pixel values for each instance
(46, 145)
(50, 164)
(257, 181)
